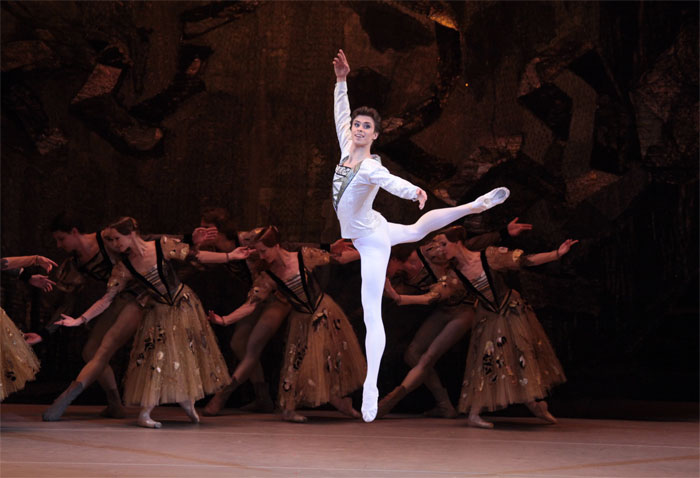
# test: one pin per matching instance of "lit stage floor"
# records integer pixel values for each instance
(400, 446)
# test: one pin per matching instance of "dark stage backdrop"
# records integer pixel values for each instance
(587, 111)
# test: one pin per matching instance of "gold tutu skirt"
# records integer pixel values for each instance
(175, 356)
(510, 359)
(19, 363)
(322, 358)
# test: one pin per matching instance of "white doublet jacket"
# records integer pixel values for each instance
(354, 189)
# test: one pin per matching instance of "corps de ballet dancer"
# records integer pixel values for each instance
(18, 363)
(323, 362)
(510, 358)
(174, 357)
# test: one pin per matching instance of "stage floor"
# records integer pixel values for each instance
(328, 446)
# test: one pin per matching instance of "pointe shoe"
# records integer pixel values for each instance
(390, 401)
(294, 417)
(189, 409)
(491, 199)
(478, 422)
(442, 410)
(369, 403)
(58, 407)
(148, 422)
(541, 410)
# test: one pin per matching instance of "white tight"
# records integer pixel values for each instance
(374, 252)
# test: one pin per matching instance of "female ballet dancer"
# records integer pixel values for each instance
(258, 328)
(357, 179)
(323, 362)
(510, 359)
(175, 358)
(18, 363)
(94, 256)
(445, 325)
(224, 287)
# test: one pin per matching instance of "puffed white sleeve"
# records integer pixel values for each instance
(379, 175)
(341, 112)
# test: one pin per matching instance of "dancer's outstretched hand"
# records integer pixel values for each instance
(69, 321)
(566, 246)
(32, 339)
(341, 66)
(515, 227)
(41, 282)
(421, 197)
(215, 318)
(239, 253)
(46, 263)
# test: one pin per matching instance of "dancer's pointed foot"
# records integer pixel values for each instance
(344, 406)
(146, 421)
(442, 410)
(476, 421)
(188, 407)
(58, 407)
(388, 403)
(218, 401)
(113, 411)
(370, 395)
(294, 417)
(541, 410)
(491, 199)
(263, 402)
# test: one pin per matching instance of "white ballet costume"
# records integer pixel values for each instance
(354, 190)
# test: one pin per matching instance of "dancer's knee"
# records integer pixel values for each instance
(89, 350)
(411, 356)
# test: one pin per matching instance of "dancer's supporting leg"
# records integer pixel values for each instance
(374, 257)
(450, 335)
(270, 320)
(115, 408)
(239, 342)
(116, 337)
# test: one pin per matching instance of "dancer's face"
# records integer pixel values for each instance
(434, 252)
(449, 249)
(267, 254)
(116, 241)
(67, 241)
(363, 130)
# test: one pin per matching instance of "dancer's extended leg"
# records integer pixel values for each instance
(116, 337)
(269, 322)
(439, 218)
(449, 336)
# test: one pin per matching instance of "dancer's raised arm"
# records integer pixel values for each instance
(341, 104)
